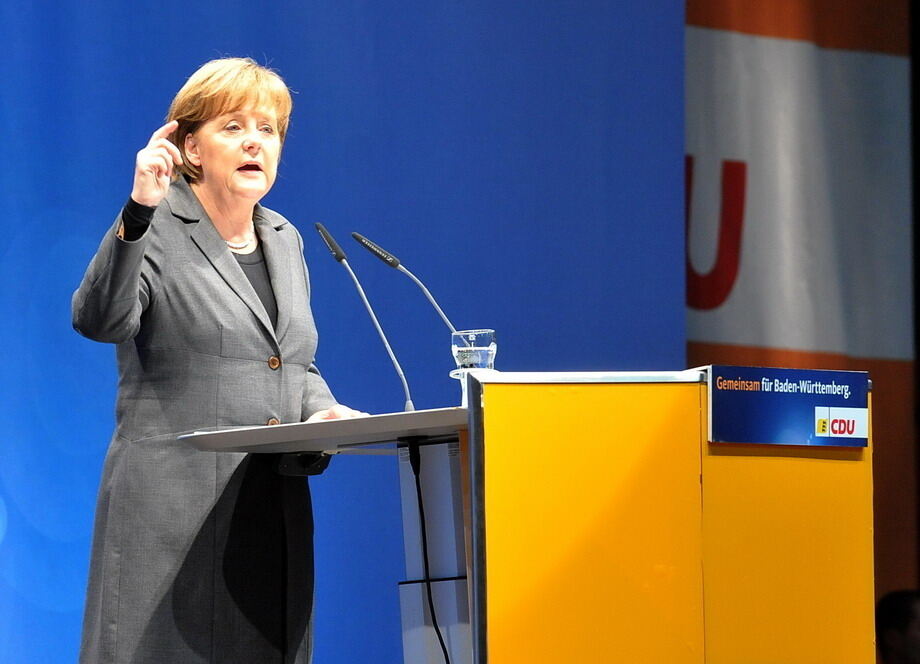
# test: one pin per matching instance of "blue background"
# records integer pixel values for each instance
(523, 158)
(780, 418)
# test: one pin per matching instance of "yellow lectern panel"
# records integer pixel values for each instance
(787, 549)
(592, 523)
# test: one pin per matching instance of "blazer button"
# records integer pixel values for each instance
(274, 362)
(272, 421)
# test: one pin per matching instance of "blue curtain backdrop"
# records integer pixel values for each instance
(524, 158)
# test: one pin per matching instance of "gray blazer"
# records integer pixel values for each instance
(197, 556)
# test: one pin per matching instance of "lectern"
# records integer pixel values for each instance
(586, 517)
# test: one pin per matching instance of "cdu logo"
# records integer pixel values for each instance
(841, 422)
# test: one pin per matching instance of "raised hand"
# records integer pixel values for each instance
(154, 166)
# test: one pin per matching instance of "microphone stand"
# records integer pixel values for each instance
(339, 256)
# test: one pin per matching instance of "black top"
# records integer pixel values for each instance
(136, 219)
(256, 270)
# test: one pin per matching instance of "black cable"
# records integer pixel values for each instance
(415, 461)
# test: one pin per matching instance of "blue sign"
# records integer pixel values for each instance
(788, 406)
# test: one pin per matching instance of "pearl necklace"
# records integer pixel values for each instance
(245, 243)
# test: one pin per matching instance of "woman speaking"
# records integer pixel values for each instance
(198, 556)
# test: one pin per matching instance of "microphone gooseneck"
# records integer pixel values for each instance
(339, 255)
(392, 261)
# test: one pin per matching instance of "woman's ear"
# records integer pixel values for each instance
(191, 150)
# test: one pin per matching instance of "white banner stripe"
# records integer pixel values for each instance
(825, 255)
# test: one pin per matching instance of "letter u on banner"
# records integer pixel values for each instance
(708, 291)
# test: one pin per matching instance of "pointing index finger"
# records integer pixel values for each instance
(165, 130)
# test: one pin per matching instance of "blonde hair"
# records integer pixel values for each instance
(223, 86)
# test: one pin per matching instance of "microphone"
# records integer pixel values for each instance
(339, 255)
(392, 261)
(334, 247)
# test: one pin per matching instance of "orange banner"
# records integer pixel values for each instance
(860, 25)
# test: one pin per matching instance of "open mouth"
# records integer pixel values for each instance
(250, 167)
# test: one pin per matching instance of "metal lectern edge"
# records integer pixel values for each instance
(478, 618)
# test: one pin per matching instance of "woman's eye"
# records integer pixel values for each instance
(232, 127)
(268, 129)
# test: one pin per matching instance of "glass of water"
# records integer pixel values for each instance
(472, 349)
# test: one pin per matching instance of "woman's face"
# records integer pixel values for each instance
(237, 153)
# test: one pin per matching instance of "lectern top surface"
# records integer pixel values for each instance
(686, 376)
(331, 435)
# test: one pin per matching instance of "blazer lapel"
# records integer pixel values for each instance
(278, 261)
(183, 203)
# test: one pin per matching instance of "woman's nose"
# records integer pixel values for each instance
(252, 142)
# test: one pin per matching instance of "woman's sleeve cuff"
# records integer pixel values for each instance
(136, 219)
